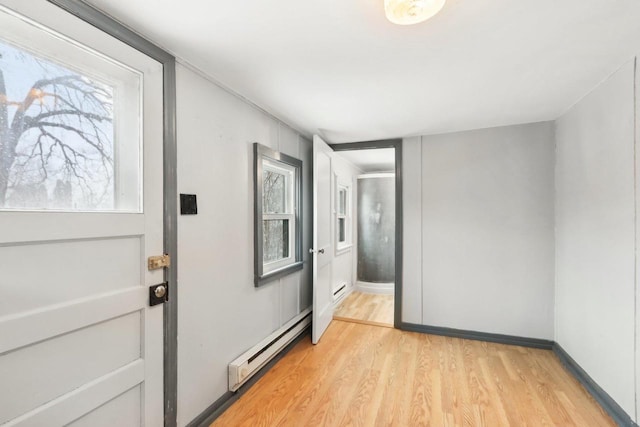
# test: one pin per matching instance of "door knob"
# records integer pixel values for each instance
(158, 294)
(313, 251)
(160, 291)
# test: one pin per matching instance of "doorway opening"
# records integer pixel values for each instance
(368, 211)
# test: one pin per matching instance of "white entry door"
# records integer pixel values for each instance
(81, 199)
(322, 252)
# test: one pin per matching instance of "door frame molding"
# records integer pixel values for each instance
(397, 145)
(110, 26)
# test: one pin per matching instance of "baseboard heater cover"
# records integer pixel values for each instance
(340, 292)
(250, 362)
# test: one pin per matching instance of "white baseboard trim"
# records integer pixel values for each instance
(375, 288)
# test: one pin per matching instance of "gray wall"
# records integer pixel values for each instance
(221, 313)
(595, 235)
(479, 242)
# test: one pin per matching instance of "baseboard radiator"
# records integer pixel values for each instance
(340, 292)
(250, 362)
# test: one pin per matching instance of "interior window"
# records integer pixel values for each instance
(343, 215)
(278, 218)
(278, 239)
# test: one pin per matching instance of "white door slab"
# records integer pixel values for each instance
(322, 250)
(79, 343)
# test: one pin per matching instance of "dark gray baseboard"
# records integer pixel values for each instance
(602, 397)
(478, 336)
(216, 409)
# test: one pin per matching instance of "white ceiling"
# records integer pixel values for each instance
(340, 69)
(374, 160)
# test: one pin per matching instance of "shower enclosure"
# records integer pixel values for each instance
(376, 233)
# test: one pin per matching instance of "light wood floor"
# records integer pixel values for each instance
(366, 308)
(365, 375)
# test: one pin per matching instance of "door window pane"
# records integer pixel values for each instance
(69, 125)
(275, 241)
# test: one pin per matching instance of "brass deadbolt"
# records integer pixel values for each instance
(160, 261)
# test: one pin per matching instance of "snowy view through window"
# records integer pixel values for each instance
(276, 230)
(56, 136)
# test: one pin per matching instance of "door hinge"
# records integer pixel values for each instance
(158, 294)
(159, 261)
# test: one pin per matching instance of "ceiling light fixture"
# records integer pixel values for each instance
(408, 12)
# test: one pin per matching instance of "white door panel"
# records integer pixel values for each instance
(82, 401)
(124, 408)
(78, 342)
(67, 370)
(34, 227)
(25, 290)
(322, 238)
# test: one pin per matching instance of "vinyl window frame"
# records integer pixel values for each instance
(266, 158)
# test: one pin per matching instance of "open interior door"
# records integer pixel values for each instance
(322, 254)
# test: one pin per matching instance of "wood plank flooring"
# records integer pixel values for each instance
(361, 375)
(366, 308)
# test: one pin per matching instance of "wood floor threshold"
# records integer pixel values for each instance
(375, 309)
(362, 322)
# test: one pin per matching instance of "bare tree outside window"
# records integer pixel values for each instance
(56, 136)
(277, 202)
(275, 231)
(274, 196)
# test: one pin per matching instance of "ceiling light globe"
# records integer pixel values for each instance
(408, 12)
